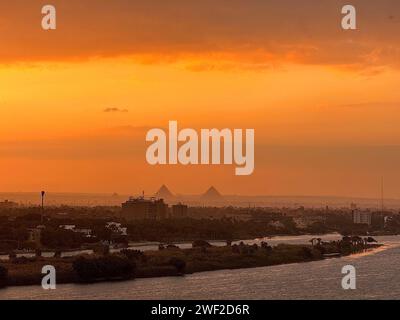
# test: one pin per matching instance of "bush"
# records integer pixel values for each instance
(178, 263)
(3, 276)
(200, 243)
(111, 267)
(12, 255)
(22, 260)
(320, 248)
(307, 253)
(172, 246)
(59, 238)
(136, 255)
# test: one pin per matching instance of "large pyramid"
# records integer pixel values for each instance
(164, 193)
(212, 194)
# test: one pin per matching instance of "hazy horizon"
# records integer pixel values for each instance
(276, 201)
(177, 194)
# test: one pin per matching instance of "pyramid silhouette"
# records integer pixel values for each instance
(164, 193)
(211, 194)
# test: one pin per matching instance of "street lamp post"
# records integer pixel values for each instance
(42, 194)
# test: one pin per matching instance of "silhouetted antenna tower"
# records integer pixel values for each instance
(382, 195)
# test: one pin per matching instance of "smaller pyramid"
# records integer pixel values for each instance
(164, 193)
(212, 194)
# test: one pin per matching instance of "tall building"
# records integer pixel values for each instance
(179, 211)
(142, 208)
(360, 217)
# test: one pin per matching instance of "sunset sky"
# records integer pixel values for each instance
(76, 103)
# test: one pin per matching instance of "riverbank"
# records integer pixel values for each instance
(171, 261)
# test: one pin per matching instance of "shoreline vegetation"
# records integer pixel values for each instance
(170, 260)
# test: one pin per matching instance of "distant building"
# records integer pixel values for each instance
(8, 204)
(276, 225)
(85, 232)
(62, 214)
(304, 222)
(239, 216)
(360, 217)
(70, 227)
(142, 208)
(179, 211)
(387, 220)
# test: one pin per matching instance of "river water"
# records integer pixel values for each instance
(378, 277)
(147, 246)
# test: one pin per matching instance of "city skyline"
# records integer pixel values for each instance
(76, 102)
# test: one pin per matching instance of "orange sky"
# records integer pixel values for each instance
(324, 102)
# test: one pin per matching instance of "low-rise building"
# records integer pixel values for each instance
(86, 232)
(362, 217)
(70, 227)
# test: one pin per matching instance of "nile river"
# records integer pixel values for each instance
(378, 277)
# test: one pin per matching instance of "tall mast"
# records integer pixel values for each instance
(382, 195)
